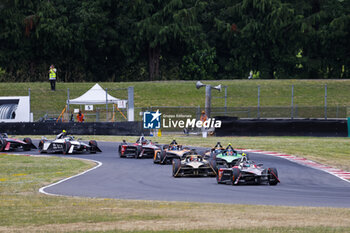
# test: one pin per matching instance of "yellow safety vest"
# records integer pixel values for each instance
(52, 74)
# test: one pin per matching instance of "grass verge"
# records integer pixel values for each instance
(240, 93)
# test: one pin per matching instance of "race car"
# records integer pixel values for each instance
(194, 164)
(67, 144)
(170, 152)
(225, 157)
(7, 144)
(247, 172)
(142, 148)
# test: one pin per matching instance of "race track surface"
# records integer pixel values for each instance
(140, 179)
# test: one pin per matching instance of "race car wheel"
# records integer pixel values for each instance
(28, 144)
(273, 176)
(93, 145)
(217, 177)
(162, 157)
(235, 174)
(176, 167)
(157, 157)
(138, 152)
(66, 146)
(120, 151)
(41, 145)
(2, 144)
(212, 163)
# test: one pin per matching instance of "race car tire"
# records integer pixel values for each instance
(176, 167)
(217, 177)
(41, 145)
(156, 159)
(138, 152)
(272, 173)
(162, 157)
(235, 174)
(93, 145)
(212, 163)
(28, 145)
(120, 150)
(66, 146)
(3, 143)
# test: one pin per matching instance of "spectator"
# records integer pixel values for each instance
(250, 75)
(80, 117)
(52, 77)
(203, 117)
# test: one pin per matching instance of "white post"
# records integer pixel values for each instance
(131, 104)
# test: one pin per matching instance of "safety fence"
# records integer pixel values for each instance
(297, 101)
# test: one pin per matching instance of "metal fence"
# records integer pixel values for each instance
(285, 101)
(263, 101)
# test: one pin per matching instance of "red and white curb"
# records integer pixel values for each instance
(344, 175)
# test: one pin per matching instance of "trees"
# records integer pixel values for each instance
(261, 36)
(325, 34)
(162, 22)
(121, 40)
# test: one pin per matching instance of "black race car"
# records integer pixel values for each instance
(142, 148)
(247, 172)
(7, 144)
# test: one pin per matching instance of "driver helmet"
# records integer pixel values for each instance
(229, 152)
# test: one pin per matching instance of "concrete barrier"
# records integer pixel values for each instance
(306, 127)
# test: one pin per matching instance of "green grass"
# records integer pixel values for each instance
(241, 93)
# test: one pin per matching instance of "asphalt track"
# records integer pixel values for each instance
(140, 179)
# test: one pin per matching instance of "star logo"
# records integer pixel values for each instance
(151, 120)
(156, 115)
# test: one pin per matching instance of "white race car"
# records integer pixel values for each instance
(67, 145)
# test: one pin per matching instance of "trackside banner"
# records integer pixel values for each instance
(157, 120)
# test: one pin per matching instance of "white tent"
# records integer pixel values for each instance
(96, 95)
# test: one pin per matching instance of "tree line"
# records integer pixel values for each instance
(134, 40)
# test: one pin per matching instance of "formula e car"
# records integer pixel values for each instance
(7, 144)
(142, 148)
(194, 164)
(225, 157)
(170, 152)
(67, 144)
(247, 172)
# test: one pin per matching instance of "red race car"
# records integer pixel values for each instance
(7, 144)
(142, 148)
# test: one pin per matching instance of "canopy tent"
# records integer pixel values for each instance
(96, 95)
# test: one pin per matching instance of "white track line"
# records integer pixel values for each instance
(343, 175)
(42, 189)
